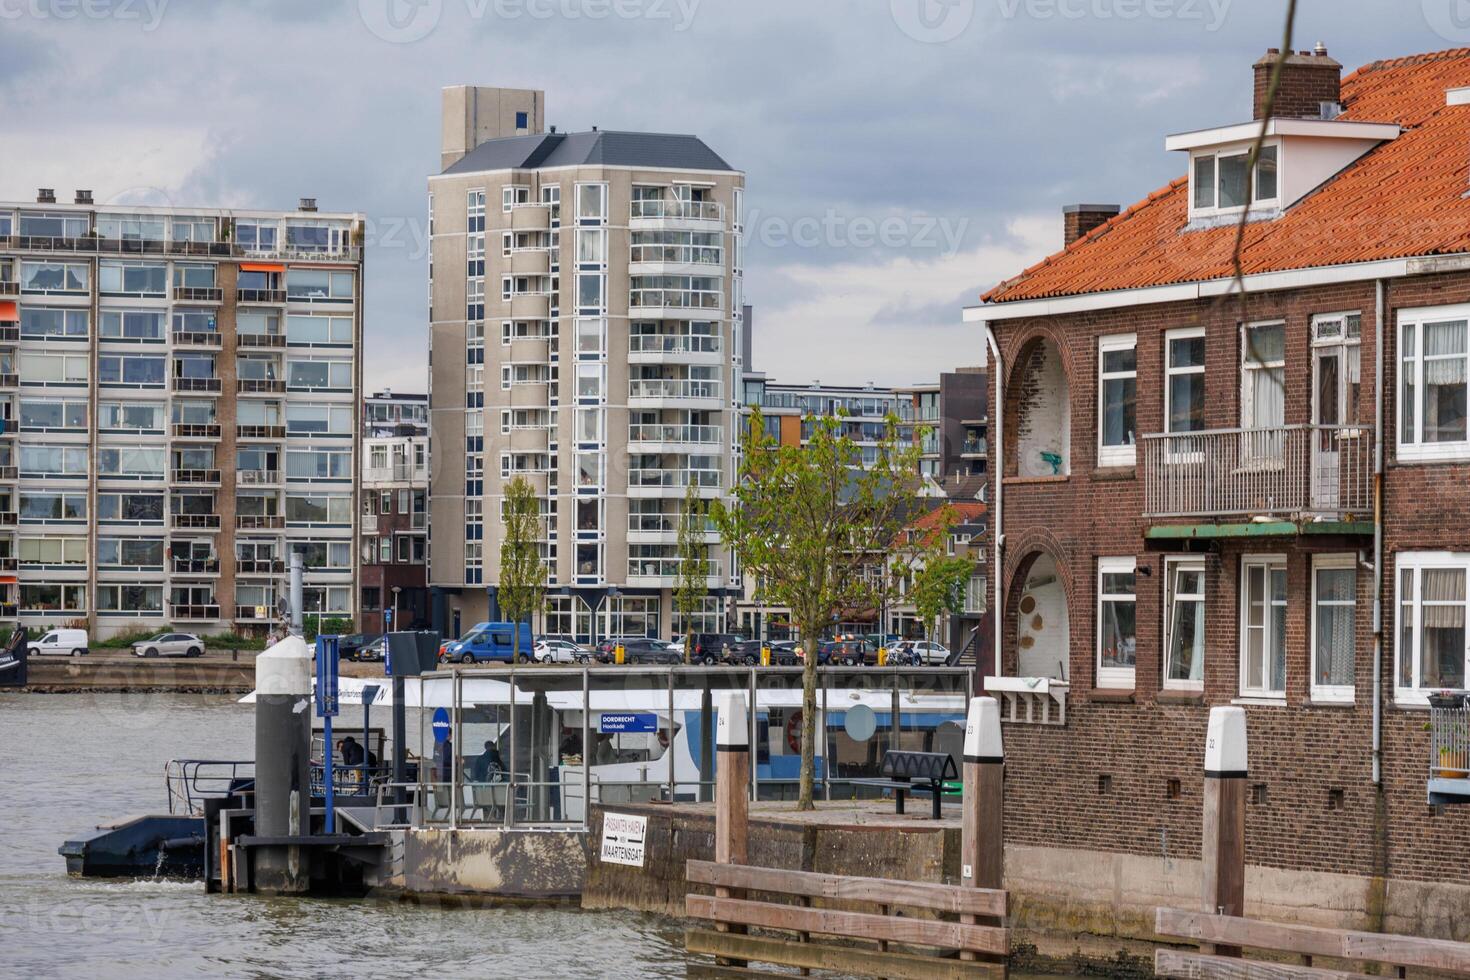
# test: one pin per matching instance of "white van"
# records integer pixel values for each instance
(68, 643)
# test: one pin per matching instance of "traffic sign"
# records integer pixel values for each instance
(441, 725)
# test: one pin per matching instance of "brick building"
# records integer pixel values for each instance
(1188, 470)
(394, 529)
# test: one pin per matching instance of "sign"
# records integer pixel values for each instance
(622, 839)
(387, 617)
(441, 724)
(640, 721)
(327, 664)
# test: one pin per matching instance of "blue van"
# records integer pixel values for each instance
(491, 642)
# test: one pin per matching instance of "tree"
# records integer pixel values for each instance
(811, 523)
(939, 579)
(522, 572)
(693, 583)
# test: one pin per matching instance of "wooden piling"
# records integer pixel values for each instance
(732, 785)
(1223, 838)
(982, 838)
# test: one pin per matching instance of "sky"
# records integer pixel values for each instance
(900, 155)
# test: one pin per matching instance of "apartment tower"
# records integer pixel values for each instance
(585, 328)
(178, 389)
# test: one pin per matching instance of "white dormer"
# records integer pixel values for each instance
(1297, 157)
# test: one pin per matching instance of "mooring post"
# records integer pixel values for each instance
(282, 764)
(1223, 850)
(982, 837)
(732, 784)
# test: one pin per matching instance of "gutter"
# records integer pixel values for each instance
(1379, 327)
(997, 471)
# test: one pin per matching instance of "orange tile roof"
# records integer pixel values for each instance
(925, 528)
(1403, 198)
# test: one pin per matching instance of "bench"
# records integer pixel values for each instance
(901, 768)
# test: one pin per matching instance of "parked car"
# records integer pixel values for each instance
(605, 647)
(647, 651)
(926, 653)
(349, 645)
(494, 642)
(67, 643)
(375, 651)
(711, 648)
(556, 651)
(170, 645)
(849, 653)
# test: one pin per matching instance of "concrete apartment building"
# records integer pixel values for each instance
(585, 330)
(179, 389)
(394, 548)
(1193, 514)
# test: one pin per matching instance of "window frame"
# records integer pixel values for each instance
(1179, 333)
(1252, 371)
(1199, 209)
(1269, 564)
(1333, 693)
(1115, 678)
(1173, 565)
(1418, 450)
(1418, 562)
(1125, 454)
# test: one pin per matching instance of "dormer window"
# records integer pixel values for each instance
(1224, 182)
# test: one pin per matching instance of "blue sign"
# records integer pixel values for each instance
(637, 721)
(327, 664)
(387, 617)
(441, 724)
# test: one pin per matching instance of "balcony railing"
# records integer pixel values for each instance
(256, 614)
(187, 613)
(9, 474)
(198, 294)
(673, 343)
(210, 386)
(9, 287)
(195, 566)
(9, 563)
(260, 432)
(684, 299)
(711, 435)
(402, 472)
(679, 388)
(195, 522)
(257, 478)
(678, 254)
(674, 478)
(662, 524)
(260, 386)
(9, 610)
(9, 333)
(9, 380)
(975, 447)
(675, 208)
(196, 430)
(259, 566)
(1449, 737)
(197, 338)
(1285, 471)
(256, 297)
(256, 522)
(665, 568)
(261, 340)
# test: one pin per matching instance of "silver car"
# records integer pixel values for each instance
(170, 645)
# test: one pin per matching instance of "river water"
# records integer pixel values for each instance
(68, 762)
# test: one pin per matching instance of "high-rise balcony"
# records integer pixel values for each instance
(675, 304)
(662, 572)
(706, 259)
(257, 433)
(675, 213)
(675, 393)
(198, 294)
(675, 348)
(259, 566)
(256, 614)
(9, 380)
(9, 287)
(200, 386)
(193, 613)
(260, 297)
(211, 339)
(530, 216)
(9, 333)
(673, 482)
(196, 476)
(530, 305)
(260, 522)
(194, 522)
(260, 386)
(655, 438)
(260, 341)
(194, 566)
(258, 478)
(535, 261)
(195, 430)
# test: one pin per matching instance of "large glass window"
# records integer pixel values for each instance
(318, 419)
(53, 413)
(130, 599)
(1432, 383)
(318, 465)
(592, 202)
(317, 329)
(141, 462)
(132, 279)
(1263, 376)
(130, 227)
(132, 324)
(130, 370)
(1117, 622)
(42, 598)
(53, 461)
(130, 416)
(256, 236)
(1432, 600)
(37, 506)
(1334, 614)
(319, 374)
(53, 323)
(132, 507)
(1263, 627)
(52, 551)
(55, 277)
(319, 284)
(324, 508)
(37, 368)
(1184, 384)
(1184, 625)
(1117, 400)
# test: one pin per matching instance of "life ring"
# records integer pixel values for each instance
(793, 731)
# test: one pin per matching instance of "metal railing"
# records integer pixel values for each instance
(675, 208)
(260, 340)
(673, 343)
(190, 782)
(197, 522)
(711, 435)
(1449, 735)
(257, 478)
(692, 299)
(666, 568)
(673, 388)
(674, 478)
(678, 254)
(205, 385)
(1283, 471)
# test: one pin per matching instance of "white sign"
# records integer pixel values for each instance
(622, 839)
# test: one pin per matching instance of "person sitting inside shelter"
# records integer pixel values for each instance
(488, 766)
(350, 751)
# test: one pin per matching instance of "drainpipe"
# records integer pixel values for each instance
(997, 471)
(1378, 539)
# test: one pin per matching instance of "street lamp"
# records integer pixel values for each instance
(394, 620)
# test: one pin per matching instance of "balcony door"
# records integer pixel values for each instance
(1336, 377)
(1263, 395)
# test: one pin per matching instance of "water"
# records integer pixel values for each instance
(71, 761)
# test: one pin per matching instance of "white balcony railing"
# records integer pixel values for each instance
(395, 472)
(678, 388)
(674, 478)
(674, 208)
(665, 568)
(674, 343)
(711, 435)
(682, 299)
(711, 255)
(1285, 471)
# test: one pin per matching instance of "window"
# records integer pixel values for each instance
(256, 236)
(1117, 397)
(143, 324)
(38, 507)
(130, 552)
(589, 380)
(55, 277)
(132, 279)
(319, 374)
(1263, 376)
(139, 507)
(1263, 627)
(589, 335)
(130, 598)
(592, 246)
(130, 416)
(1432, 384)
(52, 413)
(522, 120)
(1184, 387)
(138, 462)
(53, 598)
(130, 370)
(318, 508)
(1431, 650)
(1337, 369)
(194, 277)
(53, 551)
(49, 323)
(592, 203)
(589, 290)
(512, 195)
(1204, 182)
(1184, 625)
(129, 227)
(318, 329)
(318, 465)
(53, 368)
(1334, 613)
(70, 461)
(319, 284)
(318, 419)
(1117, 632)
(1225, 181)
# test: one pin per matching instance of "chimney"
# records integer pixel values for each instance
(1309, 81)
(473, 114)
(1079, 219)
(45, 196)
(306, 204)
(83, 197)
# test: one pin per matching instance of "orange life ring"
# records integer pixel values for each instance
(793, 731)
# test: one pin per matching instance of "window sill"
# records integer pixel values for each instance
(1111, 695)
(1021, 481)
(1115, 472)
(1328, 703)
(1260, 702)
(1443, 453)
(1174, 696)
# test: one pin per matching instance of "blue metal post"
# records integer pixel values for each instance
(327, 664)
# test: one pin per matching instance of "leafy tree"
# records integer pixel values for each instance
(693, 584)
(812, 524)
(939, 579)
(522, 572)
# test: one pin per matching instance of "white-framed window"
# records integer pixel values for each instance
(1334, 621)
(1184, 623)
(592, 246)
(592, 203)
(1432, 383)
(1263, 626)
(1430, 652)
(514, 194)
(1184, 380)
(1223, 181)
(1117, 415)
(1263, 375)
(590, 334)
(1117, 622)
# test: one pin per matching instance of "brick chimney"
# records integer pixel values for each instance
(1308, 79)
(1079, 219)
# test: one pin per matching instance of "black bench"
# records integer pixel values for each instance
(901, 768)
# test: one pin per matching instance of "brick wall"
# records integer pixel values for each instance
(1308, 79)
(1314, 760)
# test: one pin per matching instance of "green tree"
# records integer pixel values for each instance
(522, 572)
(811, 523)
(693, 584)
(939, 579)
